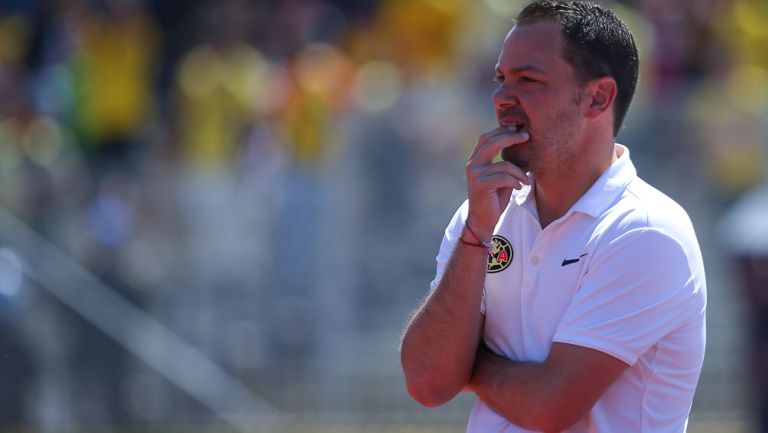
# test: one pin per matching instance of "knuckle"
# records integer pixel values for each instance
(487, 140)
(506, 166)
(514, 169)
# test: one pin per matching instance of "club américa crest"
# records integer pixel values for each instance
(501, 256)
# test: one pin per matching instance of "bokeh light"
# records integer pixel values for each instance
(378, 86)
(324, 71)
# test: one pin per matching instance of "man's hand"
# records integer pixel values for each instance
(490, 184)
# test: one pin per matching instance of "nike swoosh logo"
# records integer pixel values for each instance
(571, 261)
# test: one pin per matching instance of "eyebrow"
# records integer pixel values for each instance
(523, 68)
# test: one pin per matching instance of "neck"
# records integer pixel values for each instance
(559, 189)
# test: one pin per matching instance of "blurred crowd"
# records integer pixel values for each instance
(270, 178)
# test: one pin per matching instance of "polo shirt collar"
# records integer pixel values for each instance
(608, 186)
(600, 195)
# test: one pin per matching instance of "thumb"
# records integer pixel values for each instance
(504, 196)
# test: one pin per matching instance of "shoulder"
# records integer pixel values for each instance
(645, 257)
(644, 229)
(641, 208)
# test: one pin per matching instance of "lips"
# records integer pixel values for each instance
(517, 120)
(519, 125)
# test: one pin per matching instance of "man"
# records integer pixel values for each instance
(570, 294)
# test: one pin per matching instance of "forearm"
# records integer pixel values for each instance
(439, 344)
(511, 388)
(549, 396)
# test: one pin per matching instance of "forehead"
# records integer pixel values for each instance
(537, 44)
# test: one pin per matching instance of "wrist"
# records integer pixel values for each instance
(471, 233)
(471, 238)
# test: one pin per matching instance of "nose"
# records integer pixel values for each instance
(503, 97)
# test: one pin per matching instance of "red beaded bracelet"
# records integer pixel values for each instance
(487, 245)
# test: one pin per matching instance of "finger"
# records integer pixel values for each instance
(487, 150)
(480, 175)
(488, 135)
(501, 167)
(493, 133)
(505, 194)
(497, 181)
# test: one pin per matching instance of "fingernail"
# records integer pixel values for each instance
(512, 128)
(524, 135)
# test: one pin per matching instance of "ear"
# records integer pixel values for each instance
(601, 94)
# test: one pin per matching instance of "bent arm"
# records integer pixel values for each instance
(439, 344)
(549, 396)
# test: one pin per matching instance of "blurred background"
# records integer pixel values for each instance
(218, 215)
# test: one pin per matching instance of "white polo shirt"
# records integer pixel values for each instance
(621, 272)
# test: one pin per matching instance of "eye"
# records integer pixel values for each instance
(527, 79)
(498, 78)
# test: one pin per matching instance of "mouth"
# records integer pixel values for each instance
(519, 126)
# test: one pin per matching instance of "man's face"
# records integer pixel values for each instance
(538, 92)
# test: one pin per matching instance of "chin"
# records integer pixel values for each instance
(513, 155)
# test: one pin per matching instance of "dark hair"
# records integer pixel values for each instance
(597, 44)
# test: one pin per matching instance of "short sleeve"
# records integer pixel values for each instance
(638, 288)
(451, 236)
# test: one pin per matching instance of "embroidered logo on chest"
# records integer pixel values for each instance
(501, 256)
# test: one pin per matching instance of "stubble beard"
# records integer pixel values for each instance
(552, 151)
(524, 155)
(520, 155)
